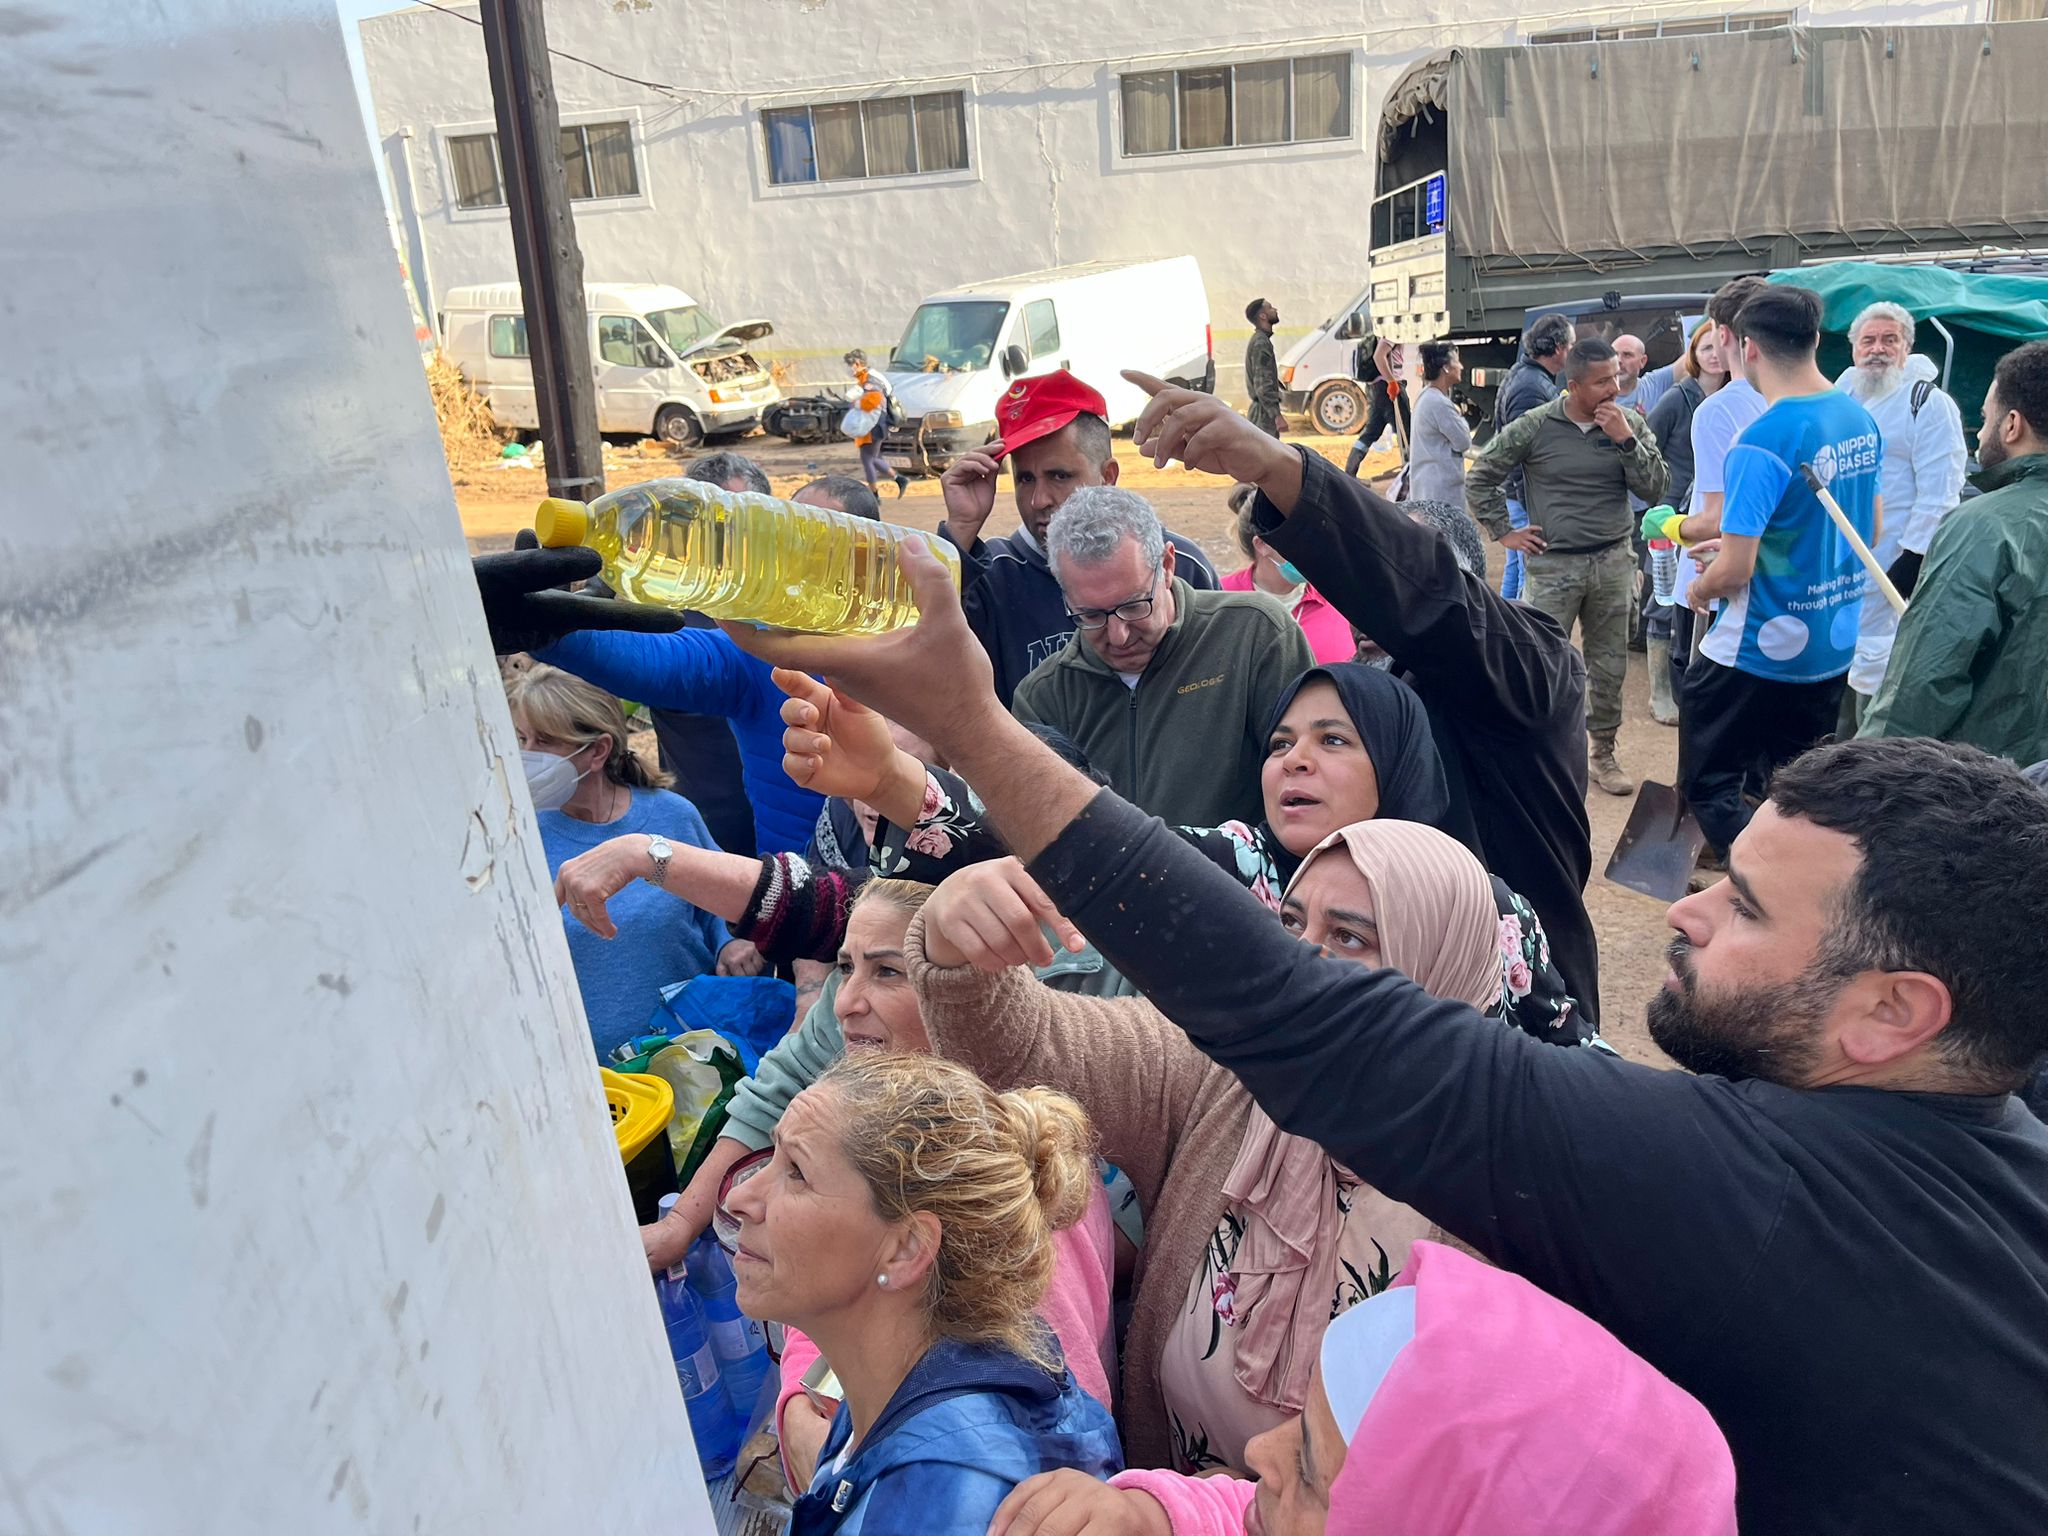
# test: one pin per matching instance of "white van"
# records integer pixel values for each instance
(664, 367)
(963, 348)
(1319, 374)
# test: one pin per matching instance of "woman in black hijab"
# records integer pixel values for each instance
(1350, 743)
(1347, 743)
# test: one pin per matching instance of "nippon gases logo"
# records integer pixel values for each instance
(1856, 456)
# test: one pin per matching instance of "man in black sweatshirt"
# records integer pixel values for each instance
(1833, 1231)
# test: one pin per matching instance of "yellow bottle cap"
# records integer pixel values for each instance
(560, 524)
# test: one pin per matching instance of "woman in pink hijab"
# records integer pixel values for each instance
(1462, 1401)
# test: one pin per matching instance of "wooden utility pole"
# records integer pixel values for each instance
(544, 245)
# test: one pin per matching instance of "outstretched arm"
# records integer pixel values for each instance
(1541, 1158)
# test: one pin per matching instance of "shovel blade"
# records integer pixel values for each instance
(1658, 848)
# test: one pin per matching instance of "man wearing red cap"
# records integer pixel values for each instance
(1055, 432)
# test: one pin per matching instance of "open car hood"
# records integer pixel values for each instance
(730, 340)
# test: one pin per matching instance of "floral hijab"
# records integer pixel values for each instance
(1433, 903)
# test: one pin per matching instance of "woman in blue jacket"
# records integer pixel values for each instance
(905, 1224)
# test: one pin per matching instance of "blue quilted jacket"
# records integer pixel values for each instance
(969, 1423)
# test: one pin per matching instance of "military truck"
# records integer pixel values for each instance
(1515, 180)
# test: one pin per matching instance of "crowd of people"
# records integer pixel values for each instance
(1195, 1117)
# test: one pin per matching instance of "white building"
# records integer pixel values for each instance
(827, 163)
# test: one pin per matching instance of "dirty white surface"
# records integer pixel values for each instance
(310, 1214)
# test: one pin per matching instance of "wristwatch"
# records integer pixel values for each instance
(659, 850)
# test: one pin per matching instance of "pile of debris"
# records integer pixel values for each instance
(470, 435)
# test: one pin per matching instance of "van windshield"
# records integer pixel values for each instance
(945, 338)
(683, 328)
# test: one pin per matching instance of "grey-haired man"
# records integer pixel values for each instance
(1167, 689)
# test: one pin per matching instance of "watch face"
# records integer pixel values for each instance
(658, 846)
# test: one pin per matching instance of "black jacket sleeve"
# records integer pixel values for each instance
(1643, 1196)
(1400, 583)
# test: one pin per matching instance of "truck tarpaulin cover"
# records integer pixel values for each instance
(1692, 141)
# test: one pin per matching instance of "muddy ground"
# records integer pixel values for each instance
(495, 503)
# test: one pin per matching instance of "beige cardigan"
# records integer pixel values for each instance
(1163, 1112)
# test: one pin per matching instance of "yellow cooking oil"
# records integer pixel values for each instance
(741, 555)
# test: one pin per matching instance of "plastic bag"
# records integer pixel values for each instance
(754, 1012)
(702, 1067)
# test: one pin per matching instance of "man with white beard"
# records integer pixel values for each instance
(1922, 479)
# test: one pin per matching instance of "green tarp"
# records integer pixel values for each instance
(1988, 313)
(1990, 302)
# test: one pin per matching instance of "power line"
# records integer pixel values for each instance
(1428, 33)
(646, 85)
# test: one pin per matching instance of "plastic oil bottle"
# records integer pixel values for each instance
(741, 555)
(714, 1424)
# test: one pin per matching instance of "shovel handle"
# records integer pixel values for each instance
(1834, 510)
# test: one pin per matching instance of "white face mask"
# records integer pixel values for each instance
(550, 779)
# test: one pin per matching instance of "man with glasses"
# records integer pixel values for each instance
(1054, 430)
(1168, 690)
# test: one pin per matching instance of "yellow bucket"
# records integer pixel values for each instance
(640, 1107)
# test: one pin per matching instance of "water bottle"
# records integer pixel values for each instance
(1664, 571)
(740, 1343)
(713, 1424)
(742, 555)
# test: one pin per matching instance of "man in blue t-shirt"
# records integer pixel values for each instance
(1769, 681)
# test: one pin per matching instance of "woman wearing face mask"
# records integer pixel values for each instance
(1327, 631)
(1254, 1239)
(1347, 743)
(1463, 1401)
(905, 1225)
(587, 788)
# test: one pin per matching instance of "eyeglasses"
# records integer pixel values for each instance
(1131, 612)
(724, 1224)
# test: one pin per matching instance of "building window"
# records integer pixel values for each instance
(860, 140)
(474, 158)
(508, 336)
(597, 160)
(1238, 106)
(1677, 26)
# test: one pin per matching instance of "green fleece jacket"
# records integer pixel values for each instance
(1972, 651)
(800, 1058)
(1186, 743)
(1576, 480)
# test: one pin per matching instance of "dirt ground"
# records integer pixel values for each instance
(495, 503)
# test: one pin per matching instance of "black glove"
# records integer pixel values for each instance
(526, 610)
(1905, 572)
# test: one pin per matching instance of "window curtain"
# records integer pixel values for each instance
(612, 172)
(942, 131)
(788, 131)
(1322, 97)
(1262, 102)
(1148, 114)
(575, 165)
(892, 150)
(1204, 108)
(474, 159)
(836, 137)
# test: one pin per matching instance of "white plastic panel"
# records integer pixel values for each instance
(310, 1213)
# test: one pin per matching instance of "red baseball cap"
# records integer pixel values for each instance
(1038, 407)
